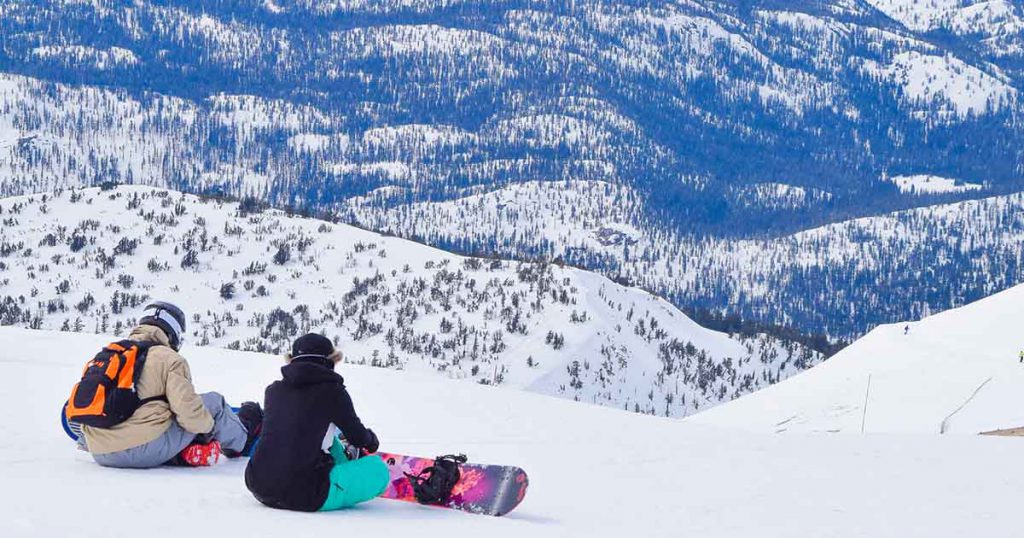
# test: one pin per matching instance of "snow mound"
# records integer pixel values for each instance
(954, 372)
(593, 471)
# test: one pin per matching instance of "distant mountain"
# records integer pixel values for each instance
(955, 372)
(254, 279)
(835, 280)
(725, 121)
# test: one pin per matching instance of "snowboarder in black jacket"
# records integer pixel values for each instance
(299, 462)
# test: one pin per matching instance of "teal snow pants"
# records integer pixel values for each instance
(354, 481)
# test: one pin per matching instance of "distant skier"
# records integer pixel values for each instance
(299, 462)
(1022, 355)
(171, 423)
(906, 330)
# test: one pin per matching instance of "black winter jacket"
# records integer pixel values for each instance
(289, 469)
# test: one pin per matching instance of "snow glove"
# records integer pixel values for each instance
(353, 452)
(373, 444)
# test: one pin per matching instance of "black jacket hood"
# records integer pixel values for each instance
(302, 373)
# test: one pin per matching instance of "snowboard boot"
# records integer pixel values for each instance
(200, 454)
(251, 416)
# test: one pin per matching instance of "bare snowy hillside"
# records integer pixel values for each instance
(954, 372)
(593, 472)
(254, 279)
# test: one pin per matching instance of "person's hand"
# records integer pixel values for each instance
(203, 439)
(373, 443)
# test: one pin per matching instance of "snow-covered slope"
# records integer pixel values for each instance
(958, 88)
(593, 472)
(954, 372)
(961, 16)
(254, 280)
(929, 184)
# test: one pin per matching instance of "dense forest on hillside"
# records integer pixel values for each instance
(718, 125)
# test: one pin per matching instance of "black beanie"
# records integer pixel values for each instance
(315, 348)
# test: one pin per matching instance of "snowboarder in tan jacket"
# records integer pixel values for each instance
(175, 424)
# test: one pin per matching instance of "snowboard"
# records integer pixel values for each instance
(493, 490)
(73, 430)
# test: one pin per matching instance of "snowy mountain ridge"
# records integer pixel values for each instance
(957, 372)
(254, 279)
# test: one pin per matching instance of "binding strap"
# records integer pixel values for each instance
(434, 484)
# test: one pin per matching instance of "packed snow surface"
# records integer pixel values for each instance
(593, 471)
(954, 372)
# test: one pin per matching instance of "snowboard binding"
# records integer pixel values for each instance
(434, 484)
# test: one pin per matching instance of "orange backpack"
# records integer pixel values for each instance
(106, 396)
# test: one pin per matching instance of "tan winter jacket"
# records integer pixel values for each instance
(165, 374)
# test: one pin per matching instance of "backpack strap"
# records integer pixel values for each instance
(140, 363)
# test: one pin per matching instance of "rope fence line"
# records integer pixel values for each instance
(945, 422)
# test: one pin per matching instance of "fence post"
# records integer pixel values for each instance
(864, 416)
